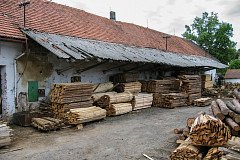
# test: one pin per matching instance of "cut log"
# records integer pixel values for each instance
(233, 107)
(118, 109)
(232, 124)
(216, 110)
(133, 87)
(237, 105)
(236, 93)
(224, 109)
(213, 154)
(47, 123)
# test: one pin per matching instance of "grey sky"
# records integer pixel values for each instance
(169, 16)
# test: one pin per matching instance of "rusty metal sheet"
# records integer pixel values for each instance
(78, 48)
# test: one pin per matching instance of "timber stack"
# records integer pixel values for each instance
(119, 109)
(47, 123)
(191, 84)
(102, 87)
(207, 81)
(82, 115)
(45, 106)
(5, 135)
(173, 100)
(144, 85)
(133, 87)
(142, 100)
(124, 77)
(202, 102)
(66, 96)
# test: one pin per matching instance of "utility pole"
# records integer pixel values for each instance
(24, 4)
(166, 37)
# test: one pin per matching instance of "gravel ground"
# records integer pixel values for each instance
(148, 131)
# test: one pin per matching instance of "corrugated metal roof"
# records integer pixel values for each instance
(72, 47)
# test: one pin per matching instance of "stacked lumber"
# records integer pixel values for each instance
(47, 123)
(144, 85)
(207, 81)
(133, 87)
(142, 100)
(5, 134)
(102, 87)
(209, 131)
(124, 77)
(191, 84)
(232, 86)
(163, 86)
(173, 100)
(202, 102)
(66, 96)
(157, 100)
(119, 109)
(186, 151)
(45, 106)
(83, 115)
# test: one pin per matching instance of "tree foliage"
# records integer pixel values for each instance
(234, 64)
(213, 36)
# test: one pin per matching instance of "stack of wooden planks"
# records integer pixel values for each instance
(124, 77)
(191, 84)
(173, 100)
(144, 85)
(5, 134)
(202, 102)
(207, 81)
(163, 86)
(45, 106)
(133, 87)
(83, 115)
(47, 123)
(66, 96)
(142, 100)
(119, 109)
(157, 100)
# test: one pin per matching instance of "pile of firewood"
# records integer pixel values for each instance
(133, 87)
(66, 96)
(47, 123)
(118, 109)
(232, 86)
(191, 84)
(124, 77)
(83, 115)
(173, 100)
(163, 86)
(202, 102)
(5, 134)
(142, 100)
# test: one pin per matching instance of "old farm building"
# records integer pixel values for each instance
(63, 44)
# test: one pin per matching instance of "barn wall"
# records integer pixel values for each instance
(232, 80)
(8, 52)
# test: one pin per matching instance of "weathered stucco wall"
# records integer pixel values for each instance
(8, 52)
(232, 80)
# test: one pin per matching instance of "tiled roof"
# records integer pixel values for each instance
(232, 74)
(45, 16)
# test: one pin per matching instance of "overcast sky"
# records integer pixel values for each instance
(169, 16)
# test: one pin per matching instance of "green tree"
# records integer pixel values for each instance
(213, 36)
(234, 64)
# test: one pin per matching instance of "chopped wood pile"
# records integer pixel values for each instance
(202, 102)
(207, 81)
(119, 109)
(65, 96)
(124, 77)
(5, 135)
(191, 84)
(133, 87)
(163, 86)
(103, 87)
(142, 100)
(83, 115)
(104, 100)
(173, 100)
(47, 123)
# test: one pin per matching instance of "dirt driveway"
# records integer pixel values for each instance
(148, 131)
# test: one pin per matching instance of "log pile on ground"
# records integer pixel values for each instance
(173, 100)
(83, 115)
(133, 87)
(47, 123)
(119, 109)
(66, 96)
(142, 100)
(124, 77)
(202, 102)
(191, 84)
(5, 134)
